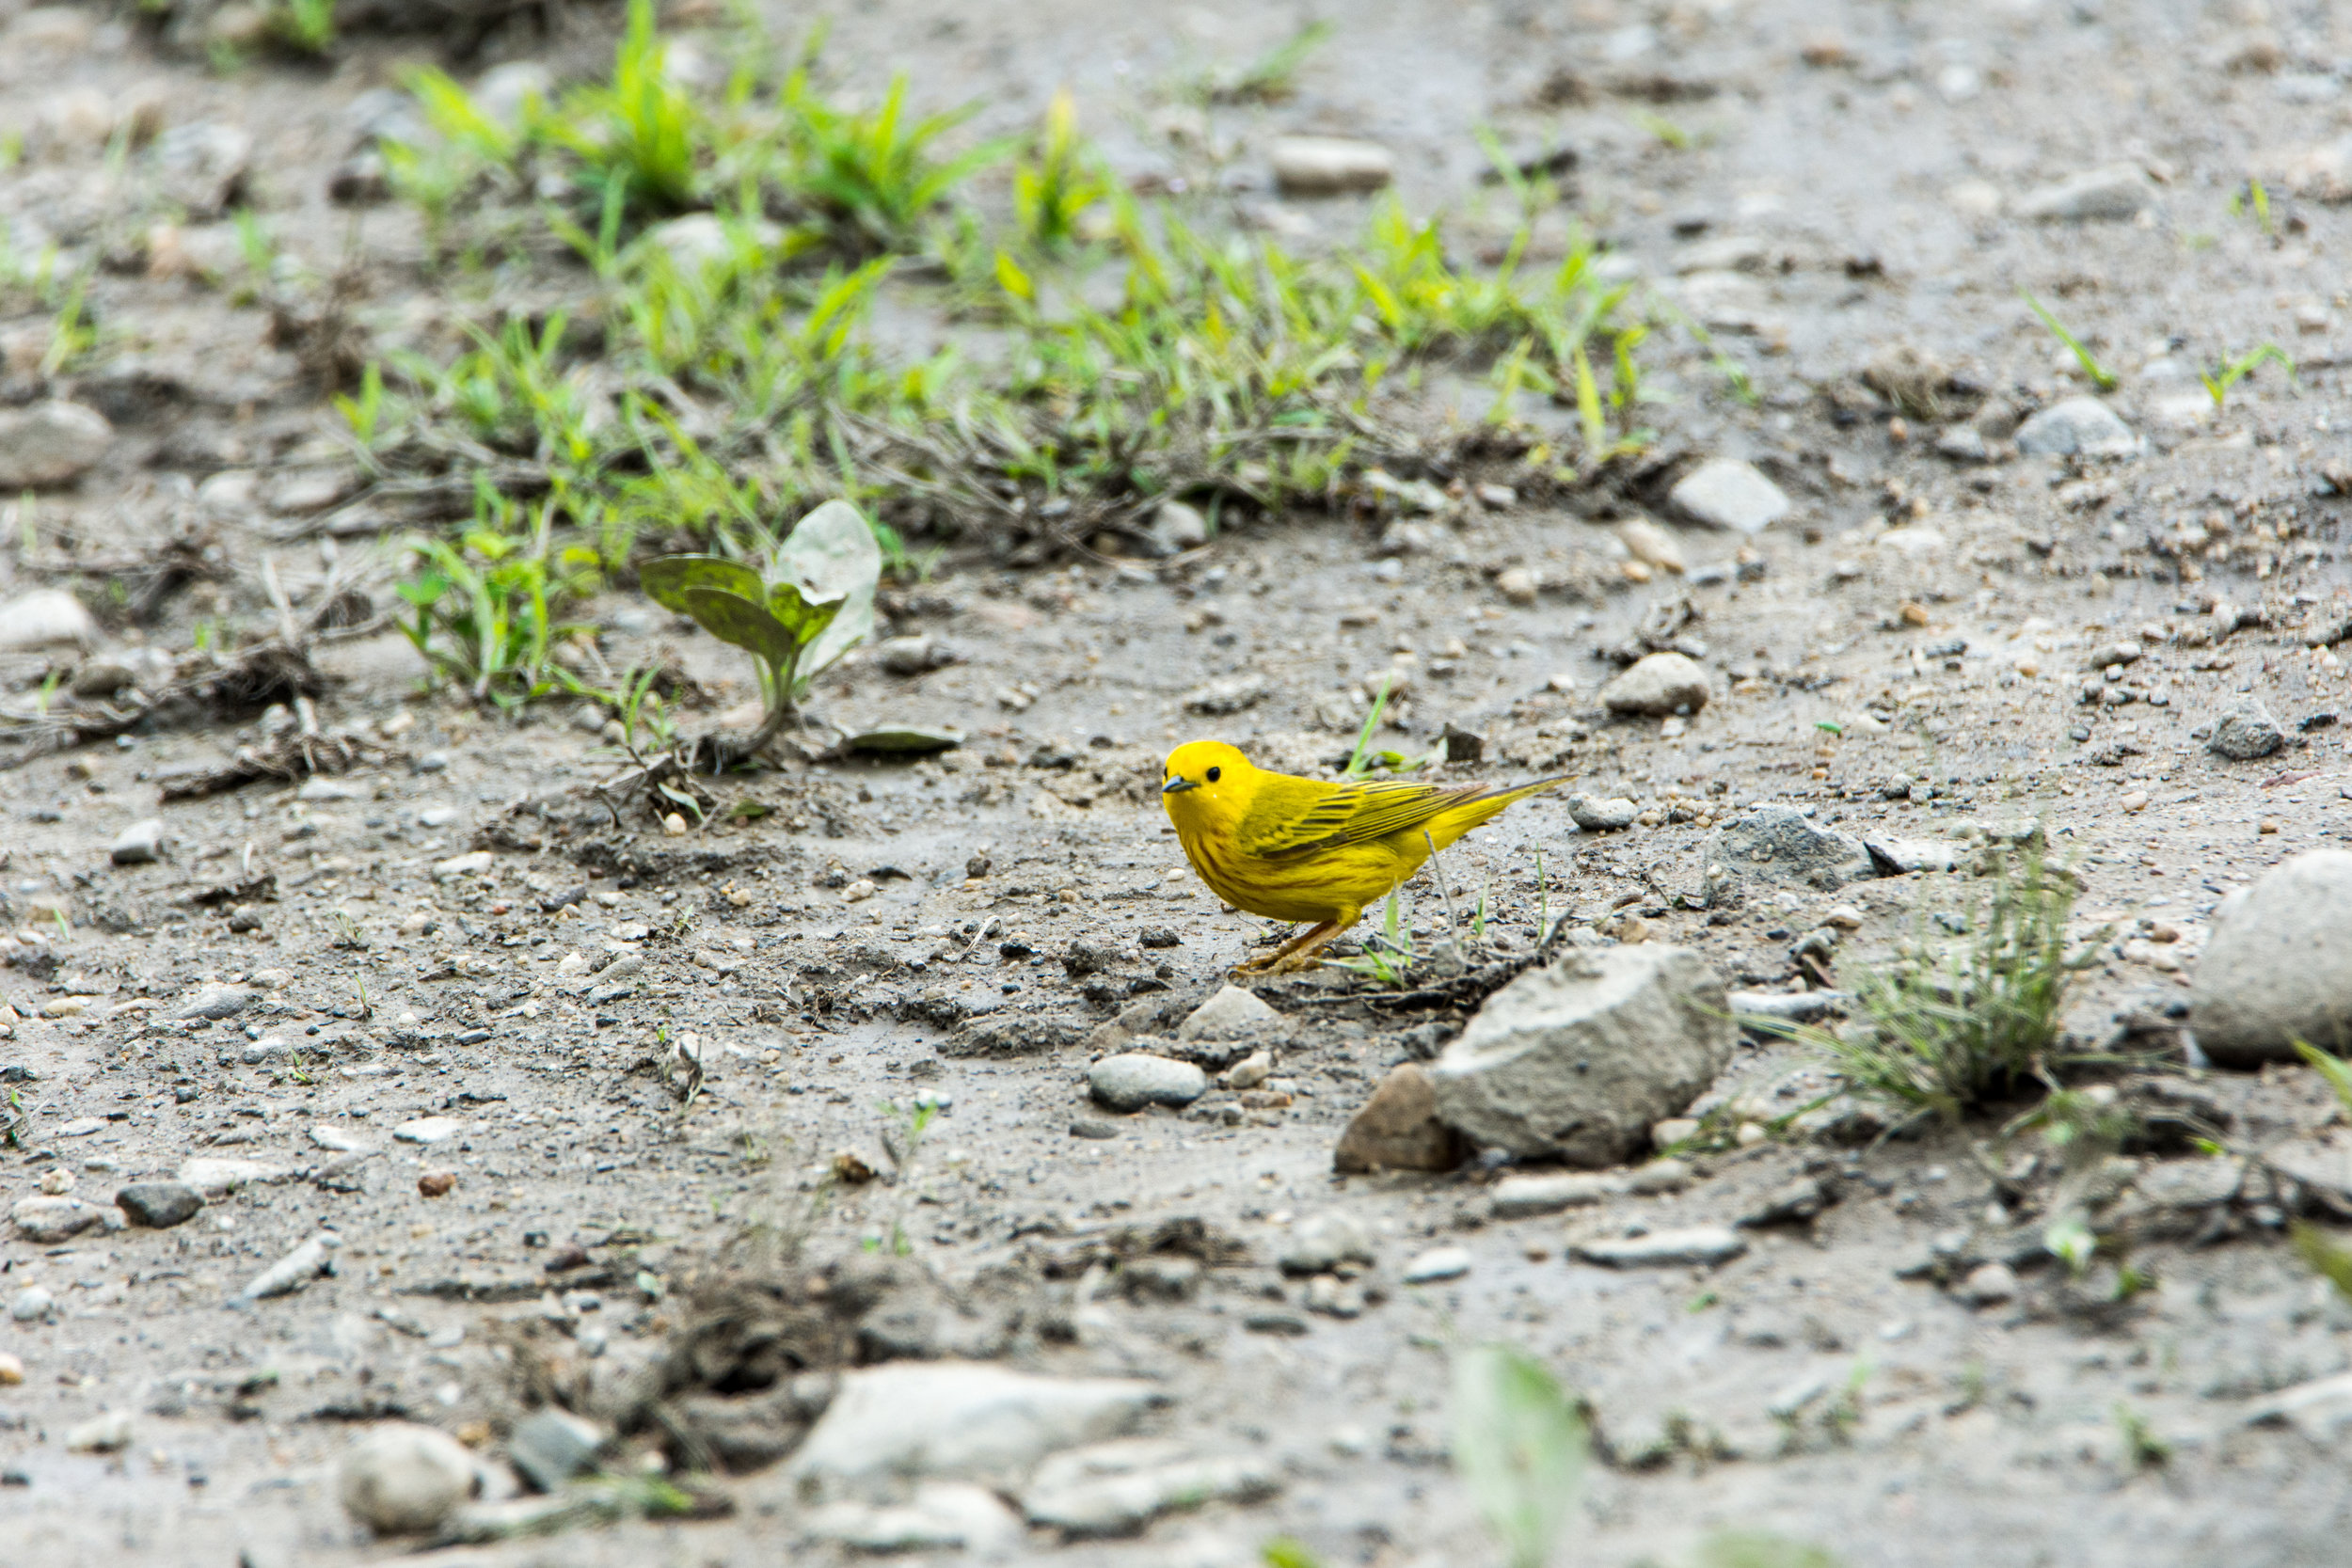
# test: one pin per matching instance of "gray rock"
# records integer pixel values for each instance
(1232, 1013)
(2245, 731)
(1177, 527)
(2319, 1409)
(46, 617)
(1330, 165)
(913, 656)
(962, 1420)
(1438, 1263)
(1989, 1285)
(218, 1176)
(50, 443)
(940, 1515)
(1726, 493)
(1896, 856)
(1118, 1488)
(206, 165)
(1703, 1245)
(47, 1221)
(32, 1305)
(159, 1204)
(1579, 1058)
(107, 1433)
(307, 1261)
(1596, 815)
(551, 1446)
(402, 1478)
(215, 1002)
(428, 1130)
(1321, 1243)
(2110, 192)
(2204, 1183)
(1791, 1006)
(2078, 427)
(140, 844)
(1229, 695)
(1132, 1080)
(1779, 845)
(1090, 1127)
(1519, 1198)
(2278, 965)
(1658, 684)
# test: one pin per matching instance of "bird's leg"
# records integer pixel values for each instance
(1301, 953)
(1284, 959)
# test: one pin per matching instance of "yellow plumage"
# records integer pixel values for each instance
(1292, 848)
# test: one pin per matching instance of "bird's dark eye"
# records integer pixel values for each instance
(1216, 773)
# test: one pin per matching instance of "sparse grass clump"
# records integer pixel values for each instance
(1944, 1033)
(730, 378)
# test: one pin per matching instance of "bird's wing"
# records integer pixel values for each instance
(1292, 815)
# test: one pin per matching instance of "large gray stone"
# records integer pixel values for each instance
(1578, 1059)
(1330, 165)
(1658, 684)
(940, 1515)
(1704, 1244)
(46, 1221)
(159, 1204)
(959, 1421)
(2245, 731)
(2079, 427)
(1118, 1488)
(1132, 1080)
(402, 1478)
(2278, 965)
(139, 842)
(1726, 493)
(1780, 843)
(50, 443)
(2110, 192)
(1232, 1013)
(44, 618)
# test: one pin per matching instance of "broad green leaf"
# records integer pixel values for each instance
(731, 618)
(1519, 1447)
(905, 740)
(830, 555)
(666, 578)
(805, 615)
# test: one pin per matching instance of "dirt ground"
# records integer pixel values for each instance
(1909, 653)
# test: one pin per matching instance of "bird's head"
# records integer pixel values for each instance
(1205, 778)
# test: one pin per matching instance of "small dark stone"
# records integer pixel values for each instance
(1087, 1127)
(1463, 745)
(159, 1204)
(1160, 936)
(976, 866)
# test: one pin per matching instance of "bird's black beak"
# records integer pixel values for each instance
(1178, 785)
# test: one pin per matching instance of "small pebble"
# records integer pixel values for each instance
(1445, 1262)
(1989, 1285)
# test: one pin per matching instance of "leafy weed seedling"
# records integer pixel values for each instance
(2230, 371)
(2099, 375)
(814, 602)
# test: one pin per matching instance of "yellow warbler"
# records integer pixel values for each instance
(1292, 848)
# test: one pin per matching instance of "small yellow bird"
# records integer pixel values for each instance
(1292, 848)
